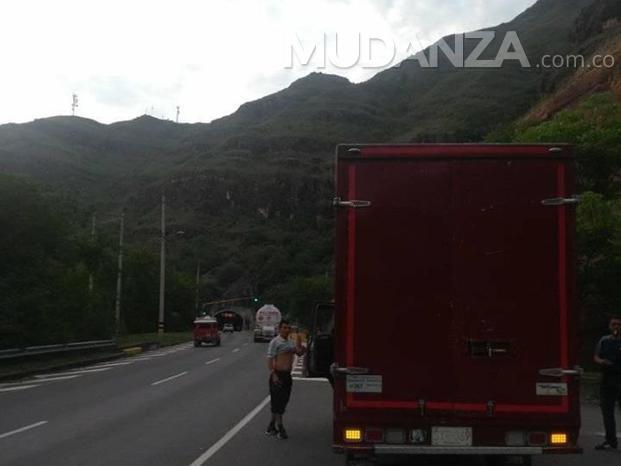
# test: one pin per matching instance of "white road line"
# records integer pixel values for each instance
(235, 350)
(141, 359)
(596, 434)
(54, 379)
(23, 429)
(30, 382)
(212, 361)
(113, 364)
(169, 378)
(19, 387)
(304, 379)
(245, 344)
(80, 372)
(230, 434)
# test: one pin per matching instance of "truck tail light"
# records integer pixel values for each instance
(558, 438)
(352, 435)
(537, 439)
(374, 435)
(395, 436)
(418, 436)
(515, 438)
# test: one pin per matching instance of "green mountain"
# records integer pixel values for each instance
(252, 190)
(404, 103)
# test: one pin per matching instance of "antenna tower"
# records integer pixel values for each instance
(74, 103)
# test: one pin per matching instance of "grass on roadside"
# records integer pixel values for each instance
(166, 339)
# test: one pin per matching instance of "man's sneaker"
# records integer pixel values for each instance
(282, 433)
(606, 446)
(271, 429)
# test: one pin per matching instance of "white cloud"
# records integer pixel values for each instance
(206, 56)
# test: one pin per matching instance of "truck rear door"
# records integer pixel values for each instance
(454, 278)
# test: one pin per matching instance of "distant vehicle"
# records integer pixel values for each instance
(455, 313)
(206, 331)
(228, 328)
(267, 319)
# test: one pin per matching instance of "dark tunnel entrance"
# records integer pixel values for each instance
(227, 316)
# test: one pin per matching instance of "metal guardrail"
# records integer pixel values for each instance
(49, 349)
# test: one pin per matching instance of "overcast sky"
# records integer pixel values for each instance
(125, 58)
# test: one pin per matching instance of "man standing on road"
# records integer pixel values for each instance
(608, 356)
(280, 354)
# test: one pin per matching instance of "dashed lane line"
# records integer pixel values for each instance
(167, 379)
(235, 350)
(23, 429)
(212, 361)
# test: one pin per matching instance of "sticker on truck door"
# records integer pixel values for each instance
(552, 389)
(364, 384)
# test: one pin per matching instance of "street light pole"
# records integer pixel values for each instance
(119, 278)
(160, 322)
(90, 275)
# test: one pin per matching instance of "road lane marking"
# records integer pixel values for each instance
(246, 344)
(597, 434)
(235, 350)
(30, 382)
(230, 434)
(49, 379)
(113, 364)
(212, 361)
(141, 359)
(167, 379)
(23, 429)
(19, 387)
(304, 379)
(85, 371)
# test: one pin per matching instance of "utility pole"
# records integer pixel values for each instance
(198, 286)
(178, 110)
(119, 278)
(160, 322)
(90, 275)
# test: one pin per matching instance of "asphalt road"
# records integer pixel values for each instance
(185, 406)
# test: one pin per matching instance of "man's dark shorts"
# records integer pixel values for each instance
(280, 391)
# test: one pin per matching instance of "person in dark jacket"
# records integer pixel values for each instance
(608, 356)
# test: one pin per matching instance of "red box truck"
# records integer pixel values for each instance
(455, 320)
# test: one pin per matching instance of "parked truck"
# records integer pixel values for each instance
(266, 323)
(455, 316)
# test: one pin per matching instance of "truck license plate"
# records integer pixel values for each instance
(451, 436)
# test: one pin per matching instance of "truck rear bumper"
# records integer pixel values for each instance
(388, 450)
(428, 450)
